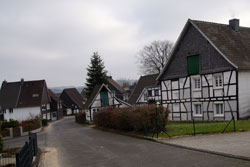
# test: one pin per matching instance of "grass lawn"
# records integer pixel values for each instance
(186, 128)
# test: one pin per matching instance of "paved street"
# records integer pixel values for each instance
(67, 144)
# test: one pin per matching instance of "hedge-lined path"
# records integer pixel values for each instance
(67, 144)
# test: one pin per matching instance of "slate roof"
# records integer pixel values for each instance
(92, 96)
(75, 96)
(114, 86)
(234, 45)
(23, 94)
(144, 82)
(54, 96)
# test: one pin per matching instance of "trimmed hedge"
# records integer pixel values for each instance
(44, 122)
(80, 118)
(9, 124)
(1, 143)
(131, 119)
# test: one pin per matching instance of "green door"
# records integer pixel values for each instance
(193, 64)
(104, 99)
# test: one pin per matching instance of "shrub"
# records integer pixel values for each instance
(80, 118)
(131, 119)
(9, 124)
(31, 124)
(44, 122)
(5, 132)
(1, 143)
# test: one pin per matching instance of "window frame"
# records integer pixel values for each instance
(151, 93)
(214, 81)
(194, 110)
(194, 78)
(215, 111)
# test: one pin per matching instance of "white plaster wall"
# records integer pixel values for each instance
(244, 93)
(21, 114)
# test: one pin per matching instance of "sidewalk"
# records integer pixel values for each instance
(235, 144)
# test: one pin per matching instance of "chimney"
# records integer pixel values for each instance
(22, 80)
(4, 84)
(235, 24)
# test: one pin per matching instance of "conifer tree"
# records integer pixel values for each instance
(96, 74)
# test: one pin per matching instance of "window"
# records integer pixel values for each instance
(218, 82)
(156, 92)
(197, 110)
(196, 83)
(149, 93)
(193, 64)
(11, 110)
(218, 109)
(145, 96)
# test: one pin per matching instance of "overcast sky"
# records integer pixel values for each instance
(54, 39)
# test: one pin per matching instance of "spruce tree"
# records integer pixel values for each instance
(96, 74)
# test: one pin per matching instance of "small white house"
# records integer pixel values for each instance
(23, 99)
(145, 90)
(102, 97)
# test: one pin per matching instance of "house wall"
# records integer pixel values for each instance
(22, 113)
(194, 43)
(96, 105)
(144, 97)
(180, 97)
(244, 93)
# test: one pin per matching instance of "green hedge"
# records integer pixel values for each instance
(80, 118)
(9, 124)
(1, 143)
(131, 119)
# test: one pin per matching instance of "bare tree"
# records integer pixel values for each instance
(153, 57)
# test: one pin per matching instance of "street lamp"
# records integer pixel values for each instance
(113, 98)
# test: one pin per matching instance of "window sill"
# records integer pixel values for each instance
(197, 116)
(219, 116)
(196, 90)
(218, 88)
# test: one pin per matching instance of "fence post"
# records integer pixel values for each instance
(194, 127)
(18, 160)
(21, 130)
(11, 132)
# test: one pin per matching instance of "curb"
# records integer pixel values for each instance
(174, 145)
(37, 160)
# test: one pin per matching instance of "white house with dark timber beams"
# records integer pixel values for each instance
(102, 97)
(146, 89)
(208, 74)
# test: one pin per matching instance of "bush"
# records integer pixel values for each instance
(44, 122)
(5, 132)
(80, 118)
(32, 123)
(9, 124)
(131, 119)
(1, 143)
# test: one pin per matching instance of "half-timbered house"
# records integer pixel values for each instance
(145, 90)
(102, 97)
(72, 101)
(55, 111)
(208, 74)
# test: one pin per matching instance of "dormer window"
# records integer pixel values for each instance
(35, 95)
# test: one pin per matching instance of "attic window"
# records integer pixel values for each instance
(35, 95)
(193, 64)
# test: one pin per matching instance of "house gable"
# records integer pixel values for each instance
(192, 43)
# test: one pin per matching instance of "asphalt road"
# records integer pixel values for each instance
(82, 146)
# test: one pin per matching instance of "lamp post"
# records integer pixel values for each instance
(113, 98)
